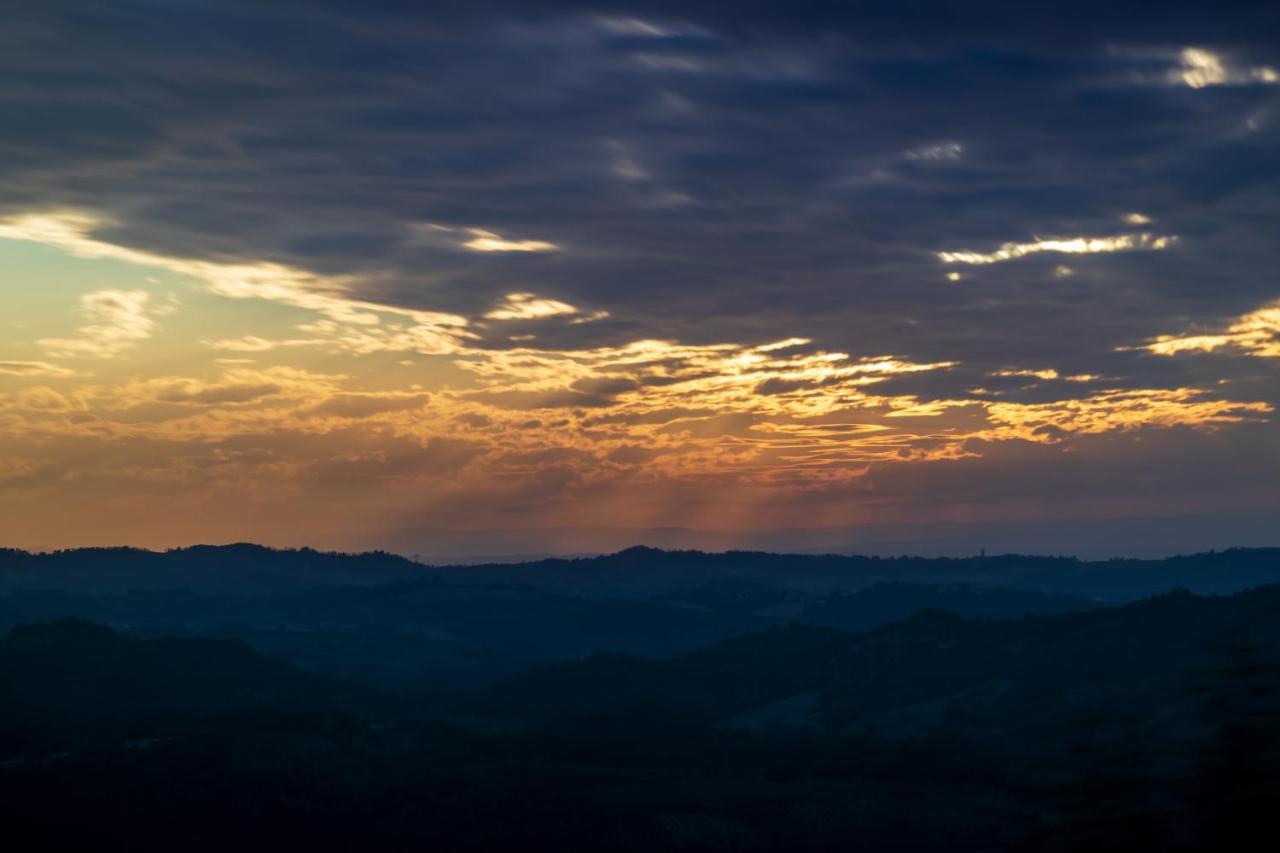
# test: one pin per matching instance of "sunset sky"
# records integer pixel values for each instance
(497, 277)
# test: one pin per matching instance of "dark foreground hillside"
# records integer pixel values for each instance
(1151, 726)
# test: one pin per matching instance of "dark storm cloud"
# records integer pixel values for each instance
(707, 171)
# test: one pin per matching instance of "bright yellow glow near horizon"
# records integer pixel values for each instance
(188, 400)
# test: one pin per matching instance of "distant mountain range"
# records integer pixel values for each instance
(1085, 537)
(634, 572)
(388, 622)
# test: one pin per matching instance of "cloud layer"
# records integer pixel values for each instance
(526, 264)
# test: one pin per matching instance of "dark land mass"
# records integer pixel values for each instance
(392, 623)
(636, 572)
(728, 714)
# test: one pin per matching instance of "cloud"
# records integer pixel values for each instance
(1066, 245)
(526, 306)
(1256, 334)
(255, 344)
(487, 241)
(41, 399)
(357, 406)
(1200, 68)
(622, 25)
(218, 395)
(722, 224)
(1121, 411)
(34, 368)
(118, 320)
(936, 152)
(1048, 373)
(404, 462)
(120, 314)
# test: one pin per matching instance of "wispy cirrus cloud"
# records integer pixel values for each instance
(1255, 334)
(117, 321)
(488, 241)
(1062, 245)
(35, 368)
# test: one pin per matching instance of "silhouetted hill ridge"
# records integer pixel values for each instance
(639, 571)
(1138, 664)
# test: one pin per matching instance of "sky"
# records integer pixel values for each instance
(535, 277)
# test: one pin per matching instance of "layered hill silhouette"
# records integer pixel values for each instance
(1141, 664)
(1150, 725)
(394, 624)
(1148, 658)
